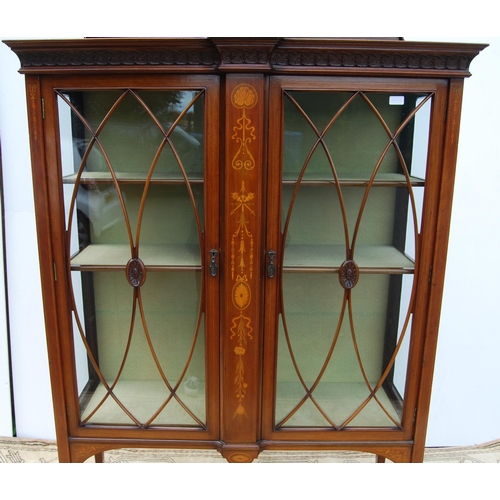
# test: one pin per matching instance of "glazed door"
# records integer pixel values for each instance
(139, 174)
(348, 166)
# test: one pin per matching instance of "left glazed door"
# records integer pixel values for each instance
(138, 198)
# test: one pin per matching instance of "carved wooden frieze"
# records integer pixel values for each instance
(244, 56)
(75, 57)
(357, 59)
(245, 53)
(275, 55)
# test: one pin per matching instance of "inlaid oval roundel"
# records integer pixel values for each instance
(136, 272)
(348, 274)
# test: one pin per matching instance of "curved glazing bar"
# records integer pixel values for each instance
(320, 140)
(122, 351)
(342, 362)
(391, 143)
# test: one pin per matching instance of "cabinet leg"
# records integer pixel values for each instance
(380, 459)
(99, 458)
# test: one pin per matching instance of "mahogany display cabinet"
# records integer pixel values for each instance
(243, 240)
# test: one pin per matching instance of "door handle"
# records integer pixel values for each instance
(271, 268)
(213, 262)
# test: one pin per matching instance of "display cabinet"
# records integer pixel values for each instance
(243, 240)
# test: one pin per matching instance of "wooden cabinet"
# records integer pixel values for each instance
(243, 241)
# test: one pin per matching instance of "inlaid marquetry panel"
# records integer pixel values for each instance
(244, 121)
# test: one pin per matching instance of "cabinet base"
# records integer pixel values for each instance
(79, 450)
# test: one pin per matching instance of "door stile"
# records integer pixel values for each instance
(273, 243)
(417, 368)
(212, 295)
(56, 210)
(48, 268)
(436, 278)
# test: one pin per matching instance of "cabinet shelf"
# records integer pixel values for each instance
(134, 178)
(352, 179)
(143, 398)
(155, 257)
(339, 400)
(329, 258)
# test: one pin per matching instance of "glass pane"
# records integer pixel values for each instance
(354, 129)
(352, 191)
(145, 353)
(133, 185)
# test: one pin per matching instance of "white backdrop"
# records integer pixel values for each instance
(466, 396)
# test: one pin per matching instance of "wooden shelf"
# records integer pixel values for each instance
(381, 180)
(155, 257)
(143, 398)
(134, 178)
(339, 400)
(329, 258)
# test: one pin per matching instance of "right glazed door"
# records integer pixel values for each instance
(348, 169)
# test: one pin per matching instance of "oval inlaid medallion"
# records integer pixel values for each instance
(136, 272)
(241, 295)
(348, 274)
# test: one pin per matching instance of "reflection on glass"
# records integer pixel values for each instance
(133, 171)
(352, 187)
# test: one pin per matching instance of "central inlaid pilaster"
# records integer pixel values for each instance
(242, 277)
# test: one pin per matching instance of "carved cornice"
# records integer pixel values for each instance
(239, 56)
(89, 58)
(275, 55)
(369, 59)
(245, 54)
